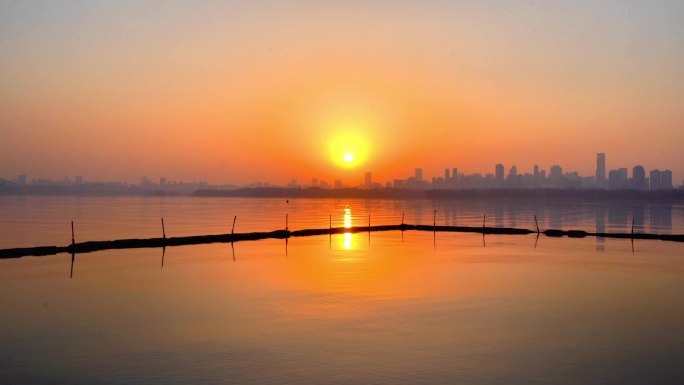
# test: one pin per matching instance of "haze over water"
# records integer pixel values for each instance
(45, 221)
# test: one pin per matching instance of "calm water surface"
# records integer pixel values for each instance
(38, 221)
(411, 308)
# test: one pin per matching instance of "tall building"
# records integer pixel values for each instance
(446, 175)
(536, 177)
(454, 176)
(162, 181)
(601, 170)
(556, 175)
(314, 182)
(499, 172)
(639, 178)
(654, 180)
(367, 179)
(617, 178)
(660, 180)
(667, 179)
(419, 174)
(513, 172)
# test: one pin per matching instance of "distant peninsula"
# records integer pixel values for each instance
(445, 194)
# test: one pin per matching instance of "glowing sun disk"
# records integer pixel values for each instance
(348, 150)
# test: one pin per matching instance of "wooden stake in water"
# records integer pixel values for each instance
(434, 220)
(232, 231)
(163, 229)
(330, 223)
(287, 202)
(71, 271)
(536, 224)
(368, 222)
(72, 233)
(484, 218)
(402, 227)
(632, 227)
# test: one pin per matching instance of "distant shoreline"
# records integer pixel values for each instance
(405, 194)
(672, 195)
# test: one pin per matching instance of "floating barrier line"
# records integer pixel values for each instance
(87, 247)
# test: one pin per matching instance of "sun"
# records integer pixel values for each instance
(348, 149)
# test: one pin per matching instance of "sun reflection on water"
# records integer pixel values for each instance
(347, 217)
(347, 239)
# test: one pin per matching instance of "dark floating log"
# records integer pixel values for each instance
(576, 233)
(87, 247)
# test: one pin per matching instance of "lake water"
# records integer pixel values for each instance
(389, 308)
(45, 221)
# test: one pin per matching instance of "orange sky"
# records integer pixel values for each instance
(254, 91)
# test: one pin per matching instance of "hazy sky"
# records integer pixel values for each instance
(238, 92)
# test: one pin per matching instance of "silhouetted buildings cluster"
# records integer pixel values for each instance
(557, 178)
(452, 179)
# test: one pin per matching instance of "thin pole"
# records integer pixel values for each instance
(402, 227)
(434, 220)
(632, 227)
(536, 224)
(368, 222)
(71, 271)
(287, 203)
(232, 231)
(73, 253)
(484, 217)
(163, 229)
(330, 223)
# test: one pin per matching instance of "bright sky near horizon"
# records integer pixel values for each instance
(246, 91)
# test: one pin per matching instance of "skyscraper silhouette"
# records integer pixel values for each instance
(499, 170)
(601, 170)
(639, 178)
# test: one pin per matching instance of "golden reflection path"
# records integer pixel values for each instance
(347, 237)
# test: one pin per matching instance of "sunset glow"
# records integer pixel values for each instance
(348, 149)
(387, 88)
